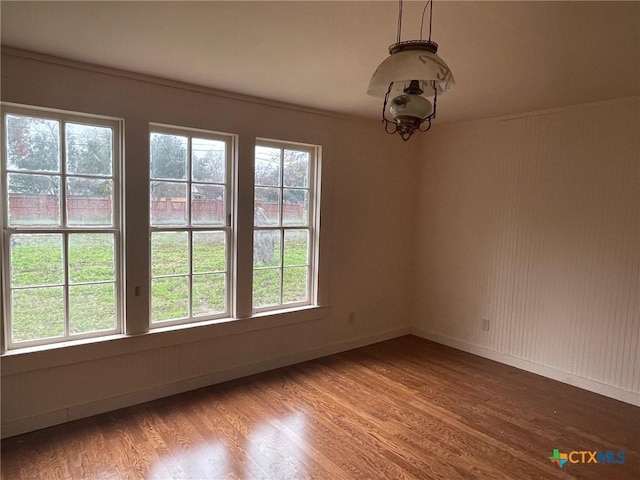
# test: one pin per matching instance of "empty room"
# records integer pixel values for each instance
(320, 240)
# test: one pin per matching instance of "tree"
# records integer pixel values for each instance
(209, 160)
(267, 168)
(270, 161)
(33, 144)
(296, 174)
(168, 156)
(89, 152)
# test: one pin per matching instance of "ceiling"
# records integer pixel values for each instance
(506, 57)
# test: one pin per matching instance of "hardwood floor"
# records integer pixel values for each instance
(401, 409)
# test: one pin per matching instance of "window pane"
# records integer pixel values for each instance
(296, 247)
(168, 203)
(209, 294)
(296, 169)
(169, 253)
(91, 257)
(208, 204)
(209, 252)
(266, 287)
(89, 201)
(295, 208)
(267, 166)
(266, 206)
(33, 144)
(92, 308)
(209, 161)
(33, 199)
(169, 298)
(266, 248)
(168, 156)
(294, 285)
(37, 313)
(36, 259)
(89, 149)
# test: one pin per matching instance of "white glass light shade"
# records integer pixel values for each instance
(410, 65)
(409, 105)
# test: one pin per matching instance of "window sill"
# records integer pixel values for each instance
(65, 353)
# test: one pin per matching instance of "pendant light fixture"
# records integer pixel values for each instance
(411, 75)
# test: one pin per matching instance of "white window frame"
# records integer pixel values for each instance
(312, 226)
(230, 141)
(116, 229)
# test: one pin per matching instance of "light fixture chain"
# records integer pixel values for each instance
(430, 17)
(424, 10)
(399, 20)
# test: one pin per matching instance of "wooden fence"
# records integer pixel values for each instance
(27, 208)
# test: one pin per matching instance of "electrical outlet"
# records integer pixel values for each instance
(485, 324)
(352, 318)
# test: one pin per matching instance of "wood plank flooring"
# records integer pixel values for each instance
(401, 409)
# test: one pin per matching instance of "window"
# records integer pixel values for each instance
(190, 218)
(284, 241)
(61, 226)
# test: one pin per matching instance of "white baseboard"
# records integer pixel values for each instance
(564, 377)
(76, 412)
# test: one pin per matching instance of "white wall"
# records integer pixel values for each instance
(534, 223)
(367, 209)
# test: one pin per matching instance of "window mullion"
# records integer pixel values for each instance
(63, 224)
(311, 287)
(66, 288)
(5, 293)
(189, 183)
(281, 229)
(281, 205)
(281, 265)
(189, 206)
(244, 195)
(190, 277)
(63, 174)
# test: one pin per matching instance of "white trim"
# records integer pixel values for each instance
(312, 225)
(538, 113)
(228, 139)
(65, 353)
(22, 425)
(549, 372)
(116, 228)
(142, 77)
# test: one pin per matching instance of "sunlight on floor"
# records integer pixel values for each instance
(274, 448)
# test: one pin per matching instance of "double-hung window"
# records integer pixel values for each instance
(190, 219)
(61, 226)
(62, 240)
(285, 225)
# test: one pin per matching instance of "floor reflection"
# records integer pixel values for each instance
(277, 448)
(273, 448)
(208, 461)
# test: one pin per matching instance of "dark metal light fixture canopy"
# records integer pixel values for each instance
(414, 71)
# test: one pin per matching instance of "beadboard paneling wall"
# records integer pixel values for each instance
(534, 224)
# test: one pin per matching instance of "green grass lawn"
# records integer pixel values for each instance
(38, 276)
